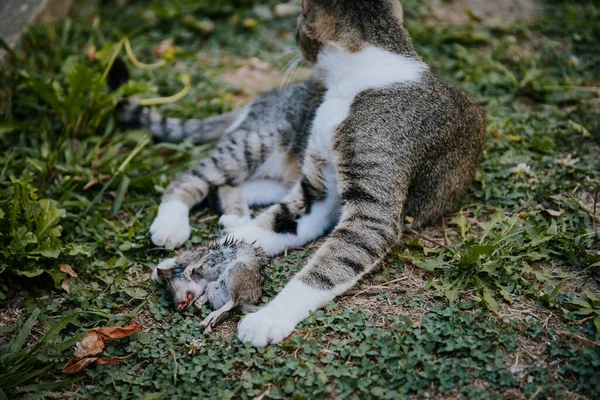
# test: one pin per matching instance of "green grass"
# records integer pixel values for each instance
(508, 306)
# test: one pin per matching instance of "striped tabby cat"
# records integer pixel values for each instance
(375, 138)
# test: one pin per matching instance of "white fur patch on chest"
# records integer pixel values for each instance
(345, 75)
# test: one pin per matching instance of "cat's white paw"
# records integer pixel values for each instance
(171, 228)
(271, 242)
(266, 326)
(229, 222)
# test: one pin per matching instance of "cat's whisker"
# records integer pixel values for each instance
(291, 71)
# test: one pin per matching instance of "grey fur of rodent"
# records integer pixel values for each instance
(234, 272)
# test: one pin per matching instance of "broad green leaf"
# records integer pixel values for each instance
(49, 216)
(49, 249)
(489, 301)
(430, 264)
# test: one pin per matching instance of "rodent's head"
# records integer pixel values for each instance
(352, 25)
(182, 292)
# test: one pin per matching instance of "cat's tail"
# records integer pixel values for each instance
(134, 115)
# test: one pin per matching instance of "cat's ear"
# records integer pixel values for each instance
(398, 10)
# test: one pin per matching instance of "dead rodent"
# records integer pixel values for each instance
(224, 275)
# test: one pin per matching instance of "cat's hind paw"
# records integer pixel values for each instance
(171, 227)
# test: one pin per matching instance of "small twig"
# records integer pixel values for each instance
(579, 337)
(446, 240)
(263, 394)
(371, 292)
(427, 238)
(206, 219)
(381, 287)
(595, 207)
(582, 207)
(533, 396)
(176, 365)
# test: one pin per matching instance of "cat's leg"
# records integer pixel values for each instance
(305, 214)
(263, 192)
(357, 245)
(264, 142)
(233, 162)
(370, 223)
(440, 186)
(259, 192)
(235, 210)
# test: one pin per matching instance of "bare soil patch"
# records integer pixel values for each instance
(462, 12)
(256, 76)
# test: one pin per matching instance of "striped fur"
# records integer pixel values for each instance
(134, 115)
(389, 141)
(377, 139)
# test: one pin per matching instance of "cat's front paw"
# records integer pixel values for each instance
(266, 326)
(171, 227)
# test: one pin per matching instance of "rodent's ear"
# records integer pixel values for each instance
(163, 270)
(161, 274)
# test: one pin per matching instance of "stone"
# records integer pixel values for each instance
(17, 15)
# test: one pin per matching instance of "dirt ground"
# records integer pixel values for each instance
(501, 12)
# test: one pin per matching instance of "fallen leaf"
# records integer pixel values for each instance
(554, 213)
(76, 365)
(66, 287)
(90, 345)
(93, 343)
(66, 268)
(90, 184)
(116, 360)
(118, 332)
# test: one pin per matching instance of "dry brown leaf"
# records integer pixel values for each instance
(91, 183)
(93, 343)
(76, 365)
(90, 345)
(66, 287)
(118, 332)
(66, 268)
(116, 360)
(554, 213)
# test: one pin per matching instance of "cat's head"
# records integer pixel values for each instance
(169, 274)
(352, 25)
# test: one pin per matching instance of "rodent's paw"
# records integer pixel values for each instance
(229, 222)
(266, 326)
(171, 227)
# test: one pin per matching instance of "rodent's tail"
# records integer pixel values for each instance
(132, 114)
